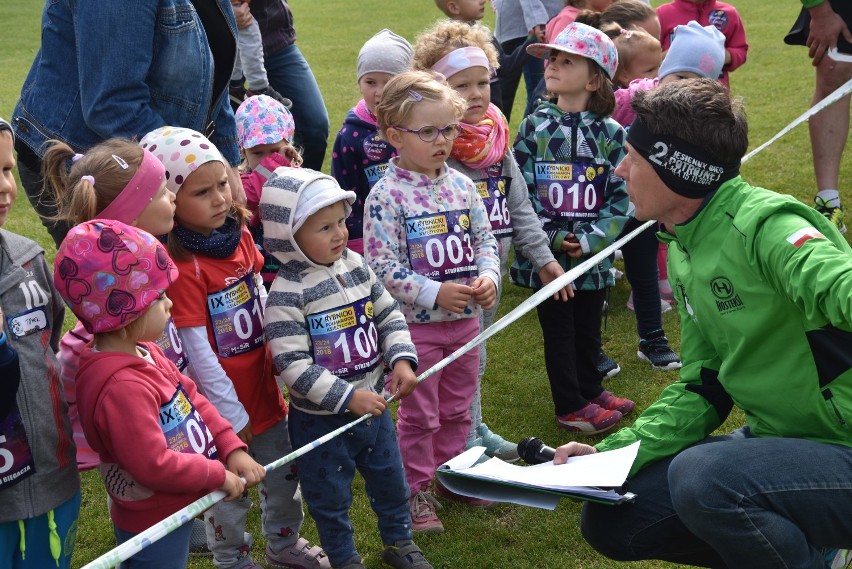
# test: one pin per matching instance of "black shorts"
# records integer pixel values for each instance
(798, 34)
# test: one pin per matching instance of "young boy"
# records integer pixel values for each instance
(332, 327)
(707, 12)
(39, 484)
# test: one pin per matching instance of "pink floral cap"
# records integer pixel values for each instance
(182, 151)
(582, 40)
(263, 120)
(109, 273)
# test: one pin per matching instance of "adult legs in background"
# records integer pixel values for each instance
(29, 169)
(509, 81)
(290, 75)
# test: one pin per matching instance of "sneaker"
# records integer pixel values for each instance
(666, 292)
(609, 401)
(496, 446)
(842, 559)
(444, 492)
(270, 92)
(423, 516)
(404, 554)
(832, 213)
(616, 274)
(607, 366)
(198, 539)
(664, 304)
(655, 350)
(300, 555)
(590, 420)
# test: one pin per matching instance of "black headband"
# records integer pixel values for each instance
(685, 168)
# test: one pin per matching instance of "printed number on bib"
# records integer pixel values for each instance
(236, 317)
(440, 245)
(345, 340)
(571, 191)
(492, 191)
(16, 458)
(184, 428)
(169, 342)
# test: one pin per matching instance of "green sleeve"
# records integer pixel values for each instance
(808, 4)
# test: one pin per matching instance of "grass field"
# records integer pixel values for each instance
(776, 84)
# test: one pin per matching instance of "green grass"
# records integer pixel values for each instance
(776, 84)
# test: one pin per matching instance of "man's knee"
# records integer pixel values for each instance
(830, 75)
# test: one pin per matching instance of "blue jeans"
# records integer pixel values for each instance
(289, 74)
(171, 551)
(326, 472)
(733, 501)
(36, 552)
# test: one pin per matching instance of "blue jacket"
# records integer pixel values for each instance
(121, 68)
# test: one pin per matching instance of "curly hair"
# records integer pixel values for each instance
(407, 90)
(445, 36)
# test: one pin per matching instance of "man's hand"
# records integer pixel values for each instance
(826, 27)
(565, 452)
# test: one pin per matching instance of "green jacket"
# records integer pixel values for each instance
(766, 325)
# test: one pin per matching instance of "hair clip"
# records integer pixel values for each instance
(76, 157)
(90, 179)
(626, 33)
(415, 96)
(120, 161)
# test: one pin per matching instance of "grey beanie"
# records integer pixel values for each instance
(6, 126)
(385, 52)
(695, 49)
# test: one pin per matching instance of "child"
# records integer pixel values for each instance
(567, 151)
(264, 130)
(464, 55)
(161, 444)
(569, 13)
(39, 486)
(639, 54)
(329, 322)
(360, 156)
(218, 312)
(427, 237)
(707, 12)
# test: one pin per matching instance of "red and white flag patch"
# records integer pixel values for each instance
(799, 238)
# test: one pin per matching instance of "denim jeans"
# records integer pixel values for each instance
(733, 501)
(290, 75)
(371, 447)
(169, 552)
(640, 267)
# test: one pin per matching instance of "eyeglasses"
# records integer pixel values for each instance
(429, 133)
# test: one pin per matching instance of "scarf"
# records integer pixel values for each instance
(483, 144)
(363, 113)
(220, 245)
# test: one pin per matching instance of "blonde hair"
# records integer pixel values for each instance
(407, 90)
(111, 164)
(629, 42)
(445, 36)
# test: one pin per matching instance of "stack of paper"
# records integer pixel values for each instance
(593, 477)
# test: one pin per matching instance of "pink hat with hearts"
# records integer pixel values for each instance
(109, 273)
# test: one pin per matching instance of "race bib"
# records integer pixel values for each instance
(172, 347)
(492, 190)
(345, 339)
(573, 191)
(28, 322)
(376, 150)
(439, 245)
(16, 458)
(184, 428)
(237, 318)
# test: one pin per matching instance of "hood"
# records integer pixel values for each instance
(352, 119)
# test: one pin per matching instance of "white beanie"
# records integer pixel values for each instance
(385, 52)
(695, 49)
(318, 191)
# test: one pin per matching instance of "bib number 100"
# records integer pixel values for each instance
(557, 195)
(366, 343)
(453, 249)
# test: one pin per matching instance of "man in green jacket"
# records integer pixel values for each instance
(764, 291)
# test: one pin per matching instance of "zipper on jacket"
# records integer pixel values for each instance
(829, 398)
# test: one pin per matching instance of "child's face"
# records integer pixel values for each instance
(8, 188)
(158, 217)
(474, 84)
(323, 236)
(150, 325)
(678, 76)
(204, 200)
(426, 158)
(652, 26)
(568, 74)
(645, 64)
(256, 154)
(371, 86)
(466, 10)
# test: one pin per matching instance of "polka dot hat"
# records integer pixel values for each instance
(181, 150)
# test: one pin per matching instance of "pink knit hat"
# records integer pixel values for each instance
(109, 273)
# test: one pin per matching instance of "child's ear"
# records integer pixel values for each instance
(393, 136)
(594, 83)
(453, 8)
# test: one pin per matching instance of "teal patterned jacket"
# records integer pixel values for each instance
(551, 135)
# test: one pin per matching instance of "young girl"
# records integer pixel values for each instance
(639, 54)
(567, 151)
(218, 312)
(360, 156)
(264, 130)
(161, 444)
(427, 236)
(465, 55)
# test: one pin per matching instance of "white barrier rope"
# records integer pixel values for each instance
(162, 528)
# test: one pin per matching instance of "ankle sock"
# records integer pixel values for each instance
(831, 197)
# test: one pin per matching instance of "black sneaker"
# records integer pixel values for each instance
(236, 94)
(270, 92)
(607, 366)
(655, 350)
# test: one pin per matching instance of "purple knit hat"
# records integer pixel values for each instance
(263, 120)
(109, 273)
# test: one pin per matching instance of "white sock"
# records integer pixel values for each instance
(831, 197)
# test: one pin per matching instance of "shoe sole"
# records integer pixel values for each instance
(429, 529)
(668, 367)
(583, 428)
(611, 373)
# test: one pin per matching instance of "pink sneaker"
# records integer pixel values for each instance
(423, 516)
(444, 492)
(590, 420)
(301, 555)
(609, 401)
